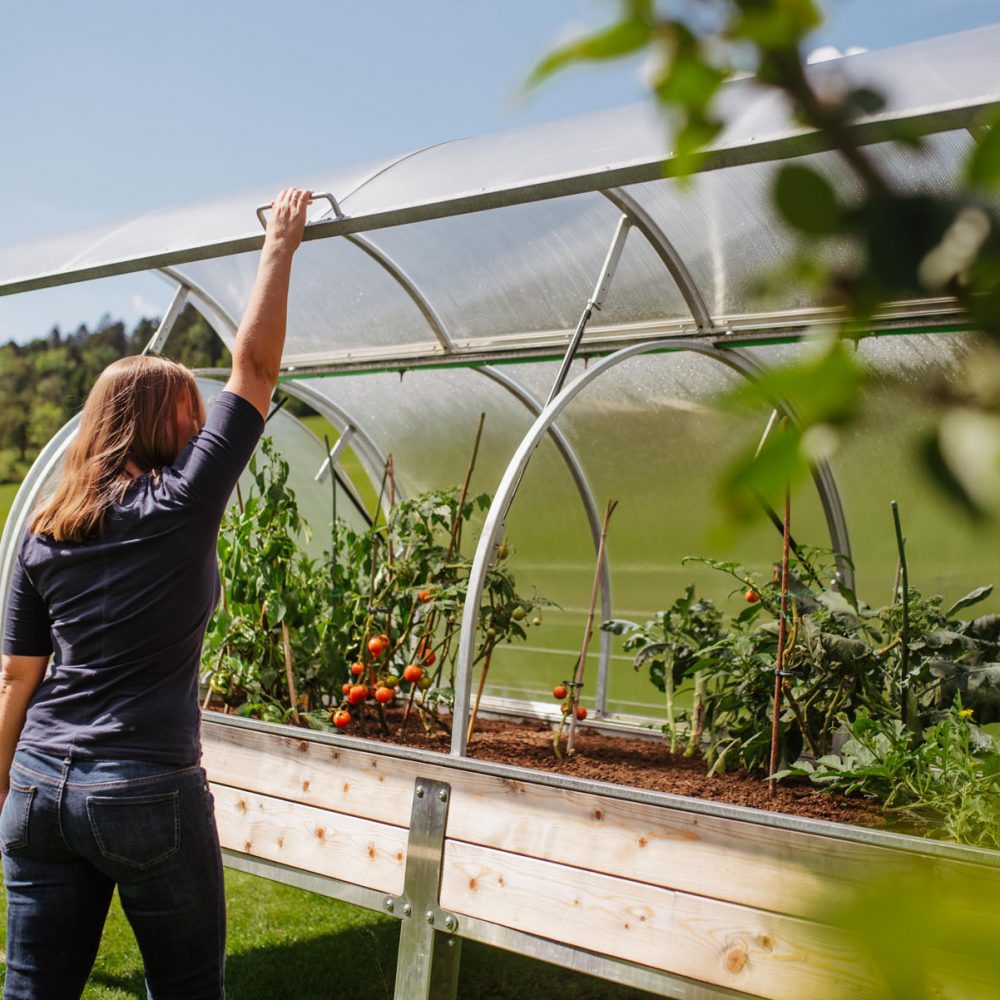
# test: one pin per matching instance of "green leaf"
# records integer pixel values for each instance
(973, 597)
(620, 39)
(983, 169)
(807, 201)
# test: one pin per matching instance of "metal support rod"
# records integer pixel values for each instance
(335, 452)
(596, 301)
(497, 513)
(159, 339)
(593, 520)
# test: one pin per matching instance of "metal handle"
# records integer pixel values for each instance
(317, 196)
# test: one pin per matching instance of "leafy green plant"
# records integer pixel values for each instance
(942, 781)
(375, 619)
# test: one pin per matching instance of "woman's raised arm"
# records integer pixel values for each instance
(261, 336)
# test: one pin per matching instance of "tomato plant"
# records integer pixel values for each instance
(378, 601)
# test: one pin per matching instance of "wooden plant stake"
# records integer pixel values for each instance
(288, 673)
(453, 538)
(779, 664)
(456, 524)
(588, 631)
(903, 584)
(479, 690)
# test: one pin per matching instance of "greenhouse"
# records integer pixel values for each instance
(593, 310)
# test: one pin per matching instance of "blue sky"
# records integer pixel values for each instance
(115, 107)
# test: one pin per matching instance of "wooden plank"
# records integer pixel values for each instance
(764, 954)
(753, 865)
(347, 781)
(316, 840)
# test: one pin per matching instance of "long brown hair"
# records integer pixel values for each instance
(130, 414)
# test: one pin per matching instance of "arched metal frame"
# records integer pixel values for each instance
(24, 501)
(675, 266)
(497, 513)
(593, 519)
(213, 311)
(372, 459)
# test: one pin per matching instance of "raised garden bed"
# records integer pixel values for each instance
(680, 896)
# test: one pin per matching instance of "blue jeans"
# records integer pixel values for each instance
(70, 831)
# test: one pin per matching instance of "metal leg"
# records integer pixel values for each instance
(429, 950)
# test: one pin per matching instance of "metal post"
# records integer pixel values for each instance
(429, 950)
(174, 310)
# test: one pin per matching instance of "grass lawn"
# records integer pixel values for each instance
(287, 943)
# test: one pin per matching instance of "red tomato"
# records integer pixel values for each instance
(412, 673)
(357, 669)
(751, 597)
(357, 694)
(384, 694)
(376, 646)
(346, 687)
(559, 692)
(425, 595)
(341, 718)
(581, 712)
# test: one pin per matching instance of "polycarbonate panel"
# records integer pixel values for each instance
(930, 74)
(937, 75)
(649, 434)
(166, 230)
(727, 230)
(882, 459)
(340, 299)
(531, 269)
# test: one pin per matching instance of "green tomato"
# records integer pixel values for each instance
(518, 614)
(424, 683)
(536, 620)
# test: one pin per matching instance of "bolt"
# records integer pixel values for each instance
(420, 791)
(443, 795)
(450, 923)
(390, 905)
(407, 910)
(430, 916)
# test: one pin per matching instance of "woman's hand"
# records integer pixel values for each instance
(287, 221)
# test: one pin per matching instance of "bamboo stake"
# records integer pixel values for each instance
(479, 691)
(288, 673)
(588, 631)
(904, 649)
(456, 530)
(456, 526)
(779, 664)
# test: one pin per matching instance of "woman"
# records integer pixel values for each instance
(116, 580)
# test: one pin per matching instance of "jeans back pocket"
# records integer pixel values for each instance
(136, 830)
(14, 817)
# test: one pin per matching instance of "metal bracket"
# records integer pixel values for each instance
(429, 951)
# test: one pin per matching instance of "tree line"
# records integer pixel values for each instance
(44, 382)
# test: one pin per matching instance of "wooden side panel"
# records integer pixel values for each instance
(348, 781)
(764, 954)
(343, 847)
(781, 870)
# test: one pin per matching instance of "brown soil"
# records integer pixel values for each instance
(640, 763)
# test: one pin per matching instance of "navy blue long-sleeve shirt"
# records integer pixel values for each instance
(125, 611)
